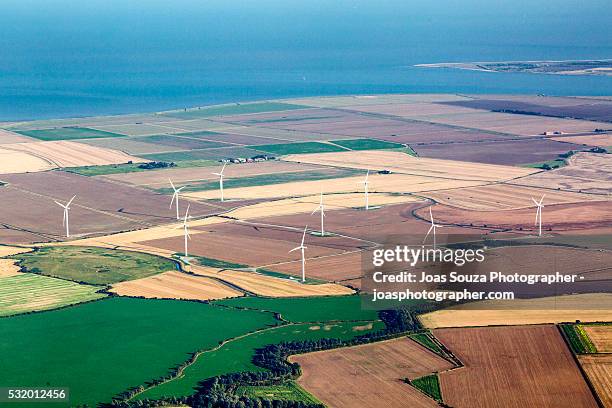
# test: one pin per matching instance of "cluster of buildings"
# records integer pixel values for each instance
(258, 158)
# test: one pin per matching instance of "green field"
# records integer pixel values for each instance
(430, 385)
(289, 391)
(235, 109)
(99, 349)
(425, 340)
(578, 339)
(96, 266)
(67, 133)
(27, 292)
(366, 144)
(133, 168)
(311, 309)
(235, 356)
(266, 179)
(552, 164)
(300, 148)
(180, 142)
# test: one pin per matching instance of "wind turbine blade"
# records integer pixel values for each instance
(541, 199)
(65, 215)
(315, 210)
(179, 189)
(60, 204)
(217, 174)
(173, 197)
(172, 184)
(187, 212)
(537, 216)
(223, 168)
(534, 201)
(304, 235)
(70, 202)
(367, 175)
(431, 216)
(295, 249)
(428, 232)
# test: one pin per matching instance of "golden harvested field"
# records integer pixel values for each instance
(175, 285)
(8, 268)
(264, 285)
(598, 368)
(604, 140)
(585, 172)
(378, 183)
(398, 162)
(11, 250)
(72, 154)
(494, 197)
(20, 162)
(516, 366)
(370, 375)
(601, 336)
(301, 205)
(592, 307)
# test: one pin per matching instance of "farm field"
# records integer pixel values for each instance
(72, 154)
(204, 154)
(6, 136)
(574, 217)
(379, 183)
(369, 375)
(235, 109)
(8, 268)
(236, 355)
(27, 292)
(21, 162)
(495, 197)
(591, 307)
(600, 140)
(175, 285)
(600, 336)
(264, 285)
(508, 152)
(127, 340)
(402, 163)
(100, 207)
(598, 368)
(585, 172)
(286, 392)
(182, 176)
(66, 133)
(91, 265)
(496, 356)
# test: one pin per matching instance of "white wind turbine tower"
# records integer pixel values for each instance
(302, 247)
(175, 196)
(220, 174)
(365, 187)
(65, 220)
(538, 217)
(321, 208)
(432, 228)
(186, 229)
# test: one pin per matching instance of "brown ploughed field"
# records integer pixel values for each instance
(598, 368)
(513, 366)
(370, 375)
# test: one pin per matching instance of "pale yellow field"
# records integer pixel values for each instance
(20, 162)
(505, 197)
(398, 162)
(6, 136)
(598, 368)
(72, 154)
(604, 140)
(378, 183)
(524, 311)
(175, 285)
(264, 285)
(302, 205)
(8, 268)
(601, 336)
(11, 250)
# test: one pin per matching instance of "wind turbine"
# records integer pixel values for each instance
(65, 220)
(538, 217)
(432, 228)
(365, 186)
(175, 196)
(302, 247)
(220, 174)
(321, 208)
(185, 228)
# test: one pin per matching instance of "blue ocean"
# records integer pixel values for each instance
(69, 58)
